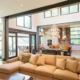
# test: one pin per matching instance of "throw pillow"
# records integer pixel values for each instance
(50, 59)
(41, 60)
(25, 57)
(71, 65)
(33, 59)
(60, 63)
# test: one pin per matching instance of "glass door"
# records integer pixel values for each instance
(12, 45)
(33, 44)
(23, 43)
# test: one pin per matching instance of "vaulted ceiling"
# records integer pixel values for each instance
(9, 7)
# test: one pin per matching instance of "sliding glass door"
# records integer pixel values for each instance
(33, 42)
(12, 45)
(23, 43)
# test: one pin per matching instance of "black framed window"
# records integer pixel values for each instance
(27, 21)
(24, 21)
(20, 21)
(74, 8)
(75, 35)
(65, 10)
(47, 14)
(55, 12)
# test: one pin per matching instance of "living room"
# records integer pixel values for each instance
(52, 30)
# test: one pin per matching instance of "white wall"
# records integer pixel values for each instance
(46, 37)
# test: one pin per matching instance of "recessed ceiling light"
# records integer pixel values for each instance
(21, 5)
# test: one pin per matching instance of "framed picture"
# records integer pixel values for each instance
(49, 42)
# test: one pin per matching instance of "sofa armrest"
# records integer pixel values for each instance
(13, 60)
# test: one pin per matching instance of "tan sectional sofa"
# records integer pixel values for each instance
(45, 67)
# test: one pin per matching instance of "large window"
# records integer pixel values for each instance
(20, 21)
(75, 35)
(64, 10)
(74, 8)
(47, 14)
(55, 12)
(69, 9)
(24, 21)
(28, 21)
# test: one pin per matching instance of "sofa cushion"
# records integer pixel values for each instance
(41, 60)
(77, 59)
(65, 75)
(46, 70)
(50, 59)
(28, 67)
(10, 67)
(64, 57)
(79, 76)
(60, 63)
(78, 68)
(71, 65)
(25, 57)
(33, 59)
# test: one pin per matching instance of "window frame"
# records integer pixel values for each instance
(40, 39)
(24, 22)
(74, 38)
(73, 5)
(64, 7)
(30, 22)
(69, 8)
(57, 14)
(50, 14)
